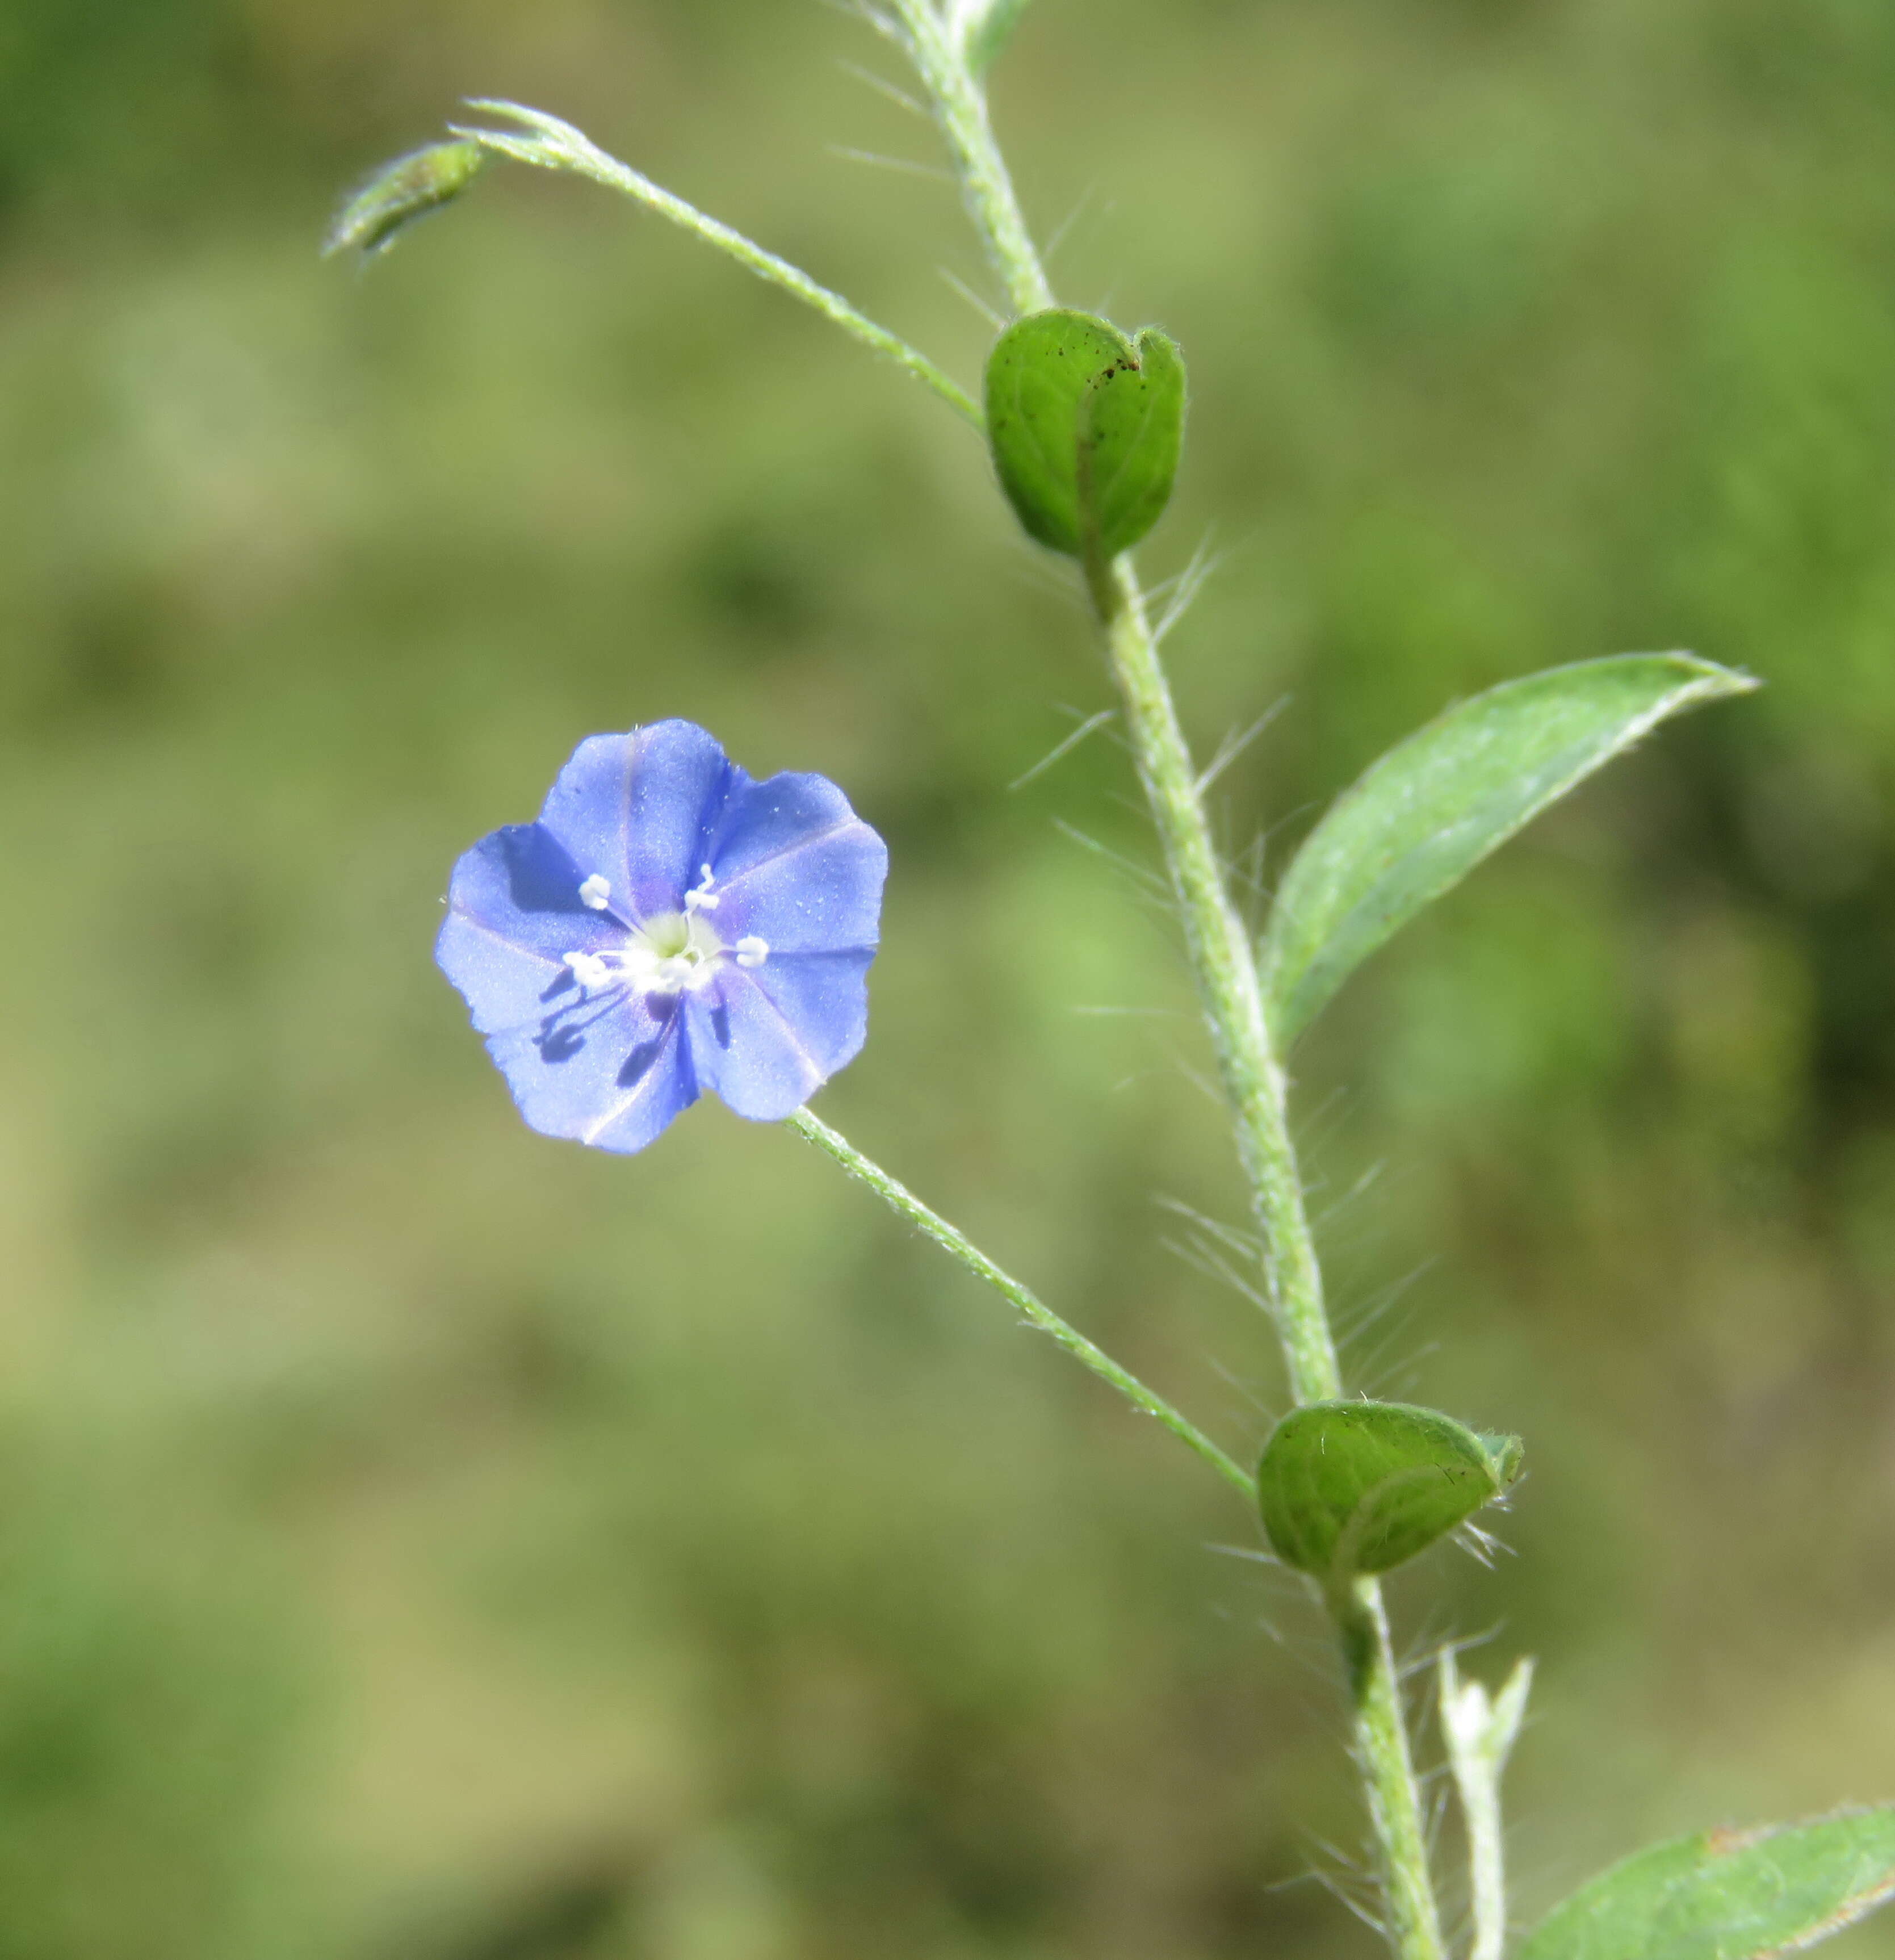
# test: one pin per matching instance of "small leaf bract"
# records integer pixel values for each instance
(1350, 1488)
(1086, 424)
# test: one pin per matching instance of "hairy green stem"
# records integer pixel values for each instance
(960, 107)
(1219, 944)
(900, 1199)
(1387, 1771)
(1225, 970)
(555, 145)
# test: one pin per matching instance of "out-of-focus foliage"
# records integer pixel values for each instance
(419, 1539)
(1729, 1894)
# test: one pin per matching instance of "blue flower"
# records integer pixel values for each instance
(669, 925)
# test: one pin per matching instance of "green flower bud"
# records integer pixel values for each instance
(400, 191)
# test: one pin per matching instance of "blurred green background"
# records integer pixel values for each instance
(418, 1538)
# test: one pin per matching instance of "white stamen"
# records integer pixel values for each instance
(701, 900)
(596, 893)
(666, 954)
(589, 969)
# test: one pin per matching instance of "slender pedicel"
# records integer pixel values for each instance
(555, 145)
(899, 1198)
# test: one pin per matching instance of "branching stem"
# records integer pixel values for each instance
(1225, 969)
(1216, 938)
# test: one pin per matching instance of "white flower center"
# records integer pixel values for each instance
(668, 952)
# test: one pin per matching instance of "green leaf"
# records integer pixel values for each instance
(1086, 424)
(1351, 1487)
(400, 191)
(986, 30)
(1729, 1894)
(1433, 808)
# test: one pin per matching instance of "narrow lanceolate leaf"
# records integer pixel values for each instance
(1729, 1894)
(1352, 1488)
(1086, 424)
(1428, 813)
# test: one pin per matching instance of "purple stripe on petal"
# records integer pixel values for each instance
(681, 784)
(823, 896)
(824, 997)
(585, 809)
(656, 1082)
(770, 816)
(514, 914)
(640, 809)
(521, 884)
(503, 984)
(612, 1072)
(745, 1049)
(796, 867)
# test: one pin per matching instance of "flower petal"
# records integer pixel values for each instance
(797, 867)
(765, 1041)
(640, 810)
(824, 997)
(513, 914)
(612, 1073)
(745, 1050)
